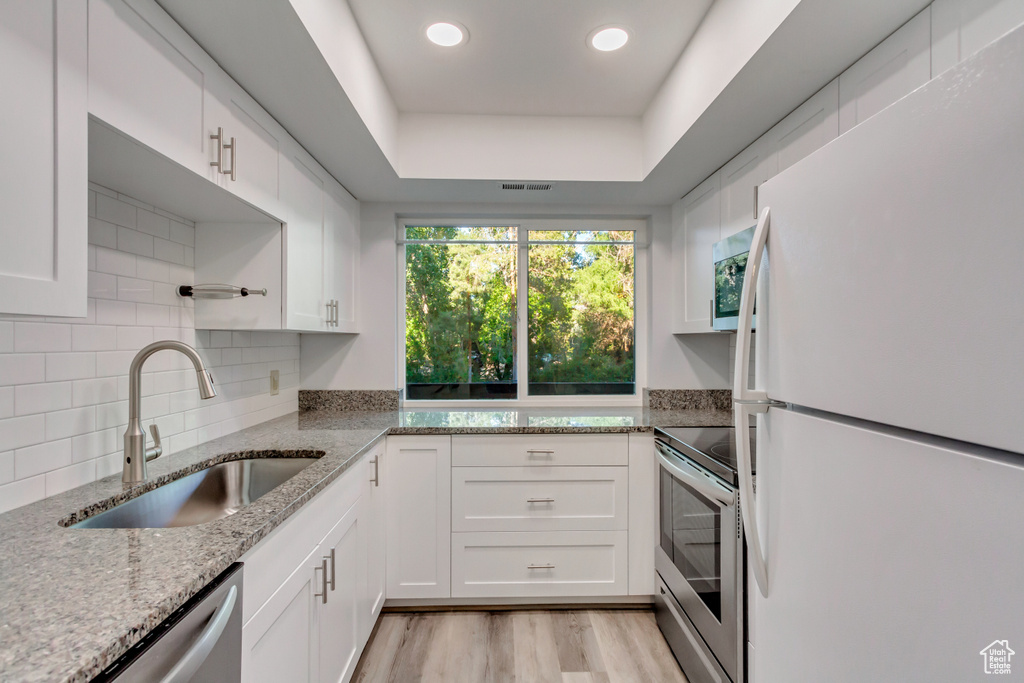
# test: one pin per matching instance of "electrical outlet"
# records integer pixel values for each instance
(275, 382)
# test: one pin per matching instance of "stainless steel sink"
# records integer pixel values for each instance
(201, 497)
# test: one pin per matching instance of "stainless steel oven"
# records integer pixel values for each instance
(700, 565)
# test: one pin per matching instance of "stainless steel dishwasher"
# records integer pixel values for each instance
(201, 642)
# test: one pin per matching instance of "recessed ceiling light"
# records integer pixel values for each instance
(608, 38)
(446, 34)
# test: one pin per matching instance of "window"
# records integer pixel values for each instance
(516, 311)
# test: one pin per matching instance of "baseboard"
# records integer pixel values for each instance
(495, 604)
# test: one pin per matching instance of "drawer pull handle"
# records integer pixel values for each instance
(540, 566)
(538, 451)
(540, 500)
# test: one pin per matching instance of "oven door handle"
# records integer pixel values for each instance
(693, 477)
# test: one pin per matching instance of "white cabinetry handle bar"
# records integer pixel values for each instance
(539, 451)
(219, 137)
(748, 401)
(540, 500)
(331, 558)
(233, 147)
(540, 566)
(323, 580)
(376, 471)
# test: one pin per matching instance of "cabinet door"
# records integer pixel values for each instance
(145, 85)
(740, 178)
(280, 642)
(376, 534)
(699, 230)
(44, 165)
(302, 197)
(419, 516)
(341, 254)
(811, 126)
(256, 151)
(339, 635)
(959, 29)
(898, 65)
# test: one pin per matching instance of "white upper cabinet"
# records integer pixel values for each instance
(811, 126)
(740, 178)
(341, 256)
(302, 196)
(694, 233)
(44, 165)
(959, 29)
(247, 150)
(147, 79)
(898, 65)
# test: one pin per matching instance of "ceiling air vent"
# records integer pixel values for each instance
(526, 186)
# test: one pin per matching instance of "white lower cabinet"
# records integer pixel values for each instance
(418, 472)
(309, 620)
(539, 564)
(280, 642)
(342, 584)
(374, 489)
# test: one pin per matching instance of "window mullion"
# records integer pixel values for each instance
(522, 313)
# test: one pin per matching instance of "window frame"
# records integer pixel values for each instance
(640, 228)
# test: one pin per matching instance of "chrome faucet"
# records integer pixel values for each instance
(136, 455)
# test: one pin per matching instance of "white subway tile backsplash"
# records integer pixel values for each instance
(114, 211)
(102, 286)
(95, 444)
(35, 460)
(22, 368)
(153, 224)
(152, 315)
(183, 234)
(134, 338)
(22, 492)
(91, 392)
(6, 467)
(132, 289)
(6, 337)
(6, 402)
(62, 424)
(30, 399)
(115, 313)
(165, 250)
(134, 242)
(114, 363)
(93, 338)
(40, 337)
(115, 262)
(151, 269)
(112, 415)
(65, 366)
(64, 383)
(67, 478)
(102, 234)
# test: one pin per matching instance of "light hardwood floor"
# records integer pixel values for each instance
(544, 646)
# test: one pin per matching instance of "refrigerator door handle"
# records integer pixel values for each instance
(747, 401)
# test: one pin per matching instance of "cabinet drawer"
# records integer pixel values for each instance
(539, 564)
(531, 450)
(539, 499)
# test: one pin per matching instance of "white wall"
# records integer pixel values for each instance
(64, 381)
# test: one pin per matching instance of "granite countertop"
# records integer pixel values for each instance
(73, 600)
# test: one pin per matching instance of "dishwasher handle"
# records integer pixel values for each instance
(188, 665)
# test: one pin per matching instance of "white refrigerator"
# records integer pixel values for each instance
(886, 542)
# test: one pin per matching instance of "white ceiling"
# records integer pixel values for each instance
(528, 57)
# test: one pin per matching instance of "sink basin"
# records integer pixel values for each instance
(216, 492)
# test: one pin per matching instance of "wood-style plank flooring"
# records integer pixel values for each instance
(543, 646)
